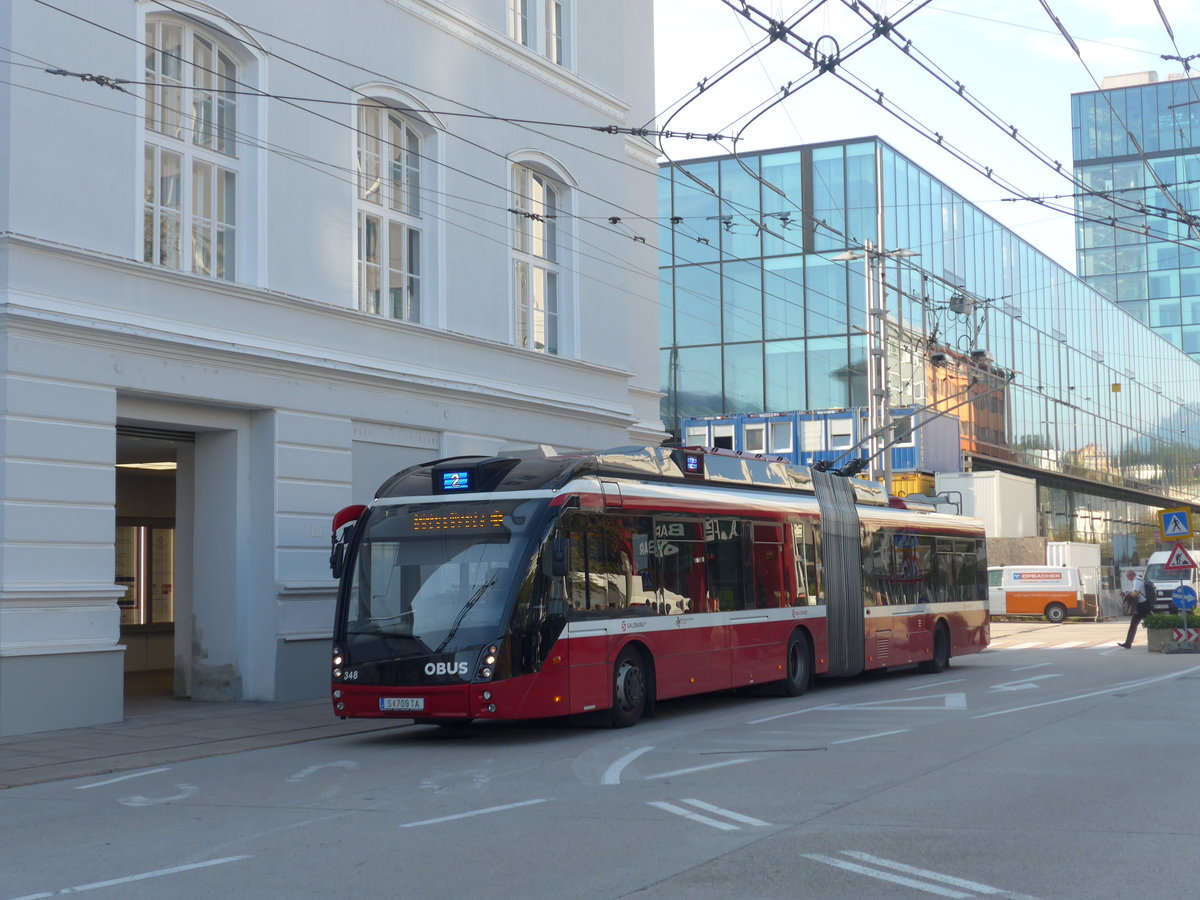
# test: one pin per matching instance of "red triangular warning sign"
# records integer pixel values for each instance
(1180, 558)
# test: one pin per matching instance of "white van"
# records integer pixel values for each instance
(1166, 580)
(1051, 591)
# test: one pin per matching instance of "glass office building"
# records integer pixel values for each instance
(1137, 153)
(773, 258)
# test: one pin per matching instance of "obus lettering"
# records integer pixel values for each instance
(458, 668)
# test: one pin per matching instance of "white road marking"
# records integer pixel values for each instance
(926, 687)
(1065, 645)
(340, 764)
(885, 876)
(185, 791)
(729, 814)
(1024, 684)
(705, 820)
(926, 873)
(797, 712)
(1034, 666)
(84, 787)
(157, 873)
(904, 704)
(612, 775)
(474, 812)
(695, 817)
(867, 737)
(731, 762)
(1109, 690)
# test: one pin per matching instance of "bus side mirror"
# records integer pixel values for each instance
(554, 561)
(343, 532)
(337, 559)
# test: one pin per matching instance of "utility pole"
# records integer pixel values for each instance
(879, 408)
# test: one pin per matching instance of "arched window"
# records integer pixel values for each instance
(389, 213)
(192, 169)
(539, 286)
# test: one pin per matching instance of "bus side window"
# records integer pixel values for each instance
(727, 555)
(609, 566)
(807, 543)
(770, 591)
(683, 571)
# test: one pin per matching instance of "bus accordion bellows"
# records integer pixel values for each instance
(523, 586)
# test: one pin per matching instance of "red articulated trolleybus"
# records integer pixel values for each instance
(516, 587)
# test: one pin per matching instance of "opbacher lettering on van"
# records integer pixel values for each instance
(1051, 591)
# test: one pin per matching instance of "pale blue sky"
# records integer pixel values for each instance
(1007, 53)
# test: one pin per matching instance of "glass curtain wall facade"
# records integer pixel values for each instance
(758, 315)
(1133, 243)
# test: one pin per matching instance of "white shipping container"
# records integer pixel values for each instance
(1007, 504)
(1081, 555)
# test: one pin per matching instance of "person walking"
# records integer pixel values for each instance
(1145, 605)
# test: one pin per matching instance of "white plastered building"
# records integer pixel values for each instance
(296, 247)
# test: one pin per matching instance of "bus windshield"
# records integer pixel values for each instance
(436, 575)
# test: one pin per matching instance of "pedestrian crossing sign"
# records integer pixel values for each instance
(1175, 524)
(1180, 559)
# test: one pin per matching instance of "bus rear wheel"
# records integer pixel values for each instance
(1056, 613)
(629, 688)
(941, 651)
(799, 666)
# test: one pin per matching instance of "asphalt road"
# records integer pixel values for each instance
(1055, 765)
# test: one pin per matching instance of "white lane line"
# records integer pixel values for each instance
(731, 762)
(798, 712)
(729, 814)
(612, 775)
(1022, 646)
(84, 787)
(338, 764)
(474, 812)
(157, 873)
(925, 687)
(695, 817)
(1120, 687)
(885, 876)
(926, 873)
(1064, 646)
(1034, 666)
(867, 737)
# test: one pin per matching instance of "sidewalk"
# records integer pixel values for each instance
(160, 730)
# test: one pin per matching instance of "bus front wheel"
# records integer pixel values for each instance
(1056, 613)
(799, 666)
(629, 688)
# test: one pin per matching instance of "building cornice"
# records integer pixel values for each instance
(62, 320)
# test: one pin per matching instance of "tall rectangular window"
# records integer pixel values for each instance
(518, 20)
(389, 216)
(191, 172)
(536, 259)
(542, 26)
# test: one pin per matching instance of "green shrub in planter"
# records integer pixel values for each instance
(1167, 621)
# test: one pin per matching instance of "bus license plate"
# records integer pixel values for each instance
(401, 704)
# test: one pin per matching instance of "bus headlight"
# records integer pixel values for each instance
(487, 662)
